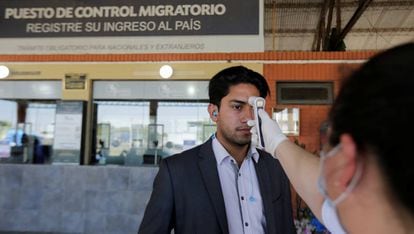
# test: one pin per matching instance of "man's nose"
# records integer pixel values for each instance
(247, 113)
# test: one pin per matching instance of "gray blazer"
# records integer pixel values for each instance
(187, 195)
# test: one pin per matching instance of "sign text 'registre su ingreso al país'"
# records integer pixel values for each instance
(153, 25)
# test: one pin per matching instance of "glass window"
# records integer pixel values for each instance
(305, 93)
(40, 117)
(288, 119)
(31, 141)
(125, 125)
(184, 125)
(8, 120)
(144, 132)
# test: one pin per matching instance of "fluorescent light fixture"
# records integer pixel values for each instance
(166, 71)
(4, 71)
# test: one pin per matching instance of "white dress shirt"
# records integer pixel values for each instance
(241, 192)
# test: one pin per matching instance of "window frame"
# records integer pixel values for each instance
(328, 85)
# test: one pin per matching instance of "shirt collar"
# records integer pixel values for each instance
(221, 153)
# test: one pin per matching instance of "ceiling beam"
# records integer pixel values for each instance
(338, 5)
(361, 8)
(320, 31)
(328, 29)
(343, 4)
(302, 31)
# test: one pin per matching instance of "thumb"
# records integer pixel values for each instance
(251, 123)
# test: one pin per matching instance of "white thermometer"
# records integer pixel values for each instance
(258, 103)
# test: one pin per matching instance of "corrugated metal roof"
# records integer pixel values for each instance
(292, 25)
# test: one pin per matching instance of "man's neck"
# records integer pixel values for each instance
(238, 152)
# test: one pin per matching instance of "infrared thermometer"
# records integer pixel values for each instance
(258, 103)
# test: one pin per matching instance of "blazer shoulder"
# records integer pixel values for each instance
(267, 157)
(263, 153)
(271, 162)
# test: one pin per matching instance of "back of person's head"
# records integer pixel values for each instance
(376, 107)
(221, 82)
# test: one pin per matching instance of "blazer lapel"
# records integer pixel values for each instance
(208, 167)
(265, 190)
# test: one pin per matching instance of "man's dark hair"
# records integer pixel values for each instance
(376, 107)
(221, 82)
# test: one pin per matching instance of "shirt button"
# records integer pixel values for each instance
(242, 198)
(239, 174)
(246, 224)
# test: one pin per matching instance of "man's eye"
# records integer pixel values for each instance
(237, 107)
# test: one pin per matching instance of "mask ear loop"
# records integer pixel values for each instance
(351, 185)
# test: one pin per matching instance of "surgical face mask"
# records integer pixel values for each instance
(329, 211)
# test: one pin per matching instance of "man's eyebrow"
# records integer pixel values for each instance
(238, 101)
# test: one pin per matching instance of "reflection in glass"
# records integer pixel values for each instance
(40, 121)
(128, 123)
(32, 140)
(183, 124)
(8, 120)
(288, 120)
(134, 126)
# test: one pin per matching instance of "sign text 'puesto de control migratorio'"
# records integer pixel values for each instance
(101, 19)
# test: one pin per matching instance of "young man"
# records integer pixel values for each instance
(224, 185)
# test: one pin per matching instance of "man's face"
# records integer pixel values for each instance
(234, 112)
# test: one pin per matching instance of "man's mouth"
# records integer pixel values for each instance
(243, 129)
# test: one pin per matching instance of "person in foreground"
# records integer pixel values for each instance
(224, 185)
(364, 175)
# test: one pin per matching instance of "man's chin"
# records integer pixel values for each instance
(243, 142)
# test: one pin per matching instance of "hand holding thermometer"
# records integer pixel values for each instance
(258, 103)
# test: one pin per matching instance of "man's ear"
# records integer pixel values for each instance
(348, 160)
(213, 111)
